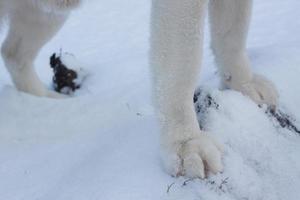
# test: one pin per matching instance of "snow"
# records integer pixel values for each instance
(103, 143)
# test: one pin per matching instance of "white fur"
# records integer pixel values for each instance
(229, 28)
(32, 23)
(176, 53)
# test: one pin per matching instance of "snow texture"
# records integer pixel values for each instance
(103, 143)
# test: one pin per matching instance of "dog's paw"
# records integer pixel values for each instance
(260, 90)
(192, 157)
(59, 5)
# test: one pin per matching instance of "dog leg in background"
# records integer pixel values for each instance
(229, 21)
(29, 30)
(176, 52)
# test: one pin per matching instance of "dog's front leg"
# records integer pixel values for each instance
(229, 27)
(176, 52)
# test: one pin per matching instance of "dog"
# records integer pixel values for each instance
(175, 58)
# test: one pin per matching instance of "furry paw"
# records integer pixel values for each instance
(260, 90)
(59, 5)
(29, 83)
(192, 157)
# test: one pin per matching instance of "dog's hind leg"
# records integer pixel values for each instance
(176, 52)
(29, 30)
(229, 28)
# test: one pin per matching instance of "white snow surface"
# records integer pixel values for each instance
(103, 143)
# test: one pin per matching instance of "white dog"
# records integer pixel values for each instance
(176, 52)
